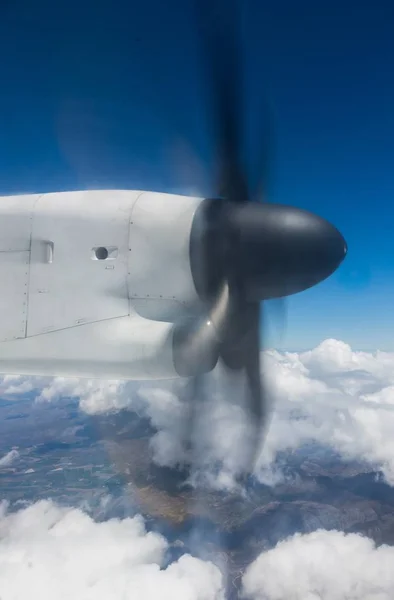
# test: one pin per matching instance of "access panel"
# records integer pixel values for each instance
(78, 271)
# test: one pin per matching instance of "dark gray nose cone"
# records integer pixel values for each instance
(284, 250)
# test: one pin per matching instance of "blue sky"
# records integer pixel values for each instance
(100, 94)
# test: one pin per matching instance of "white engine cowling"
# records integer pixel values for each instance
(94, 282)
(160, 279)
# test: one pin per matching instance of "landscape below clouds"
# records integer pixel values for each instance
(333, 395)
(322, 522)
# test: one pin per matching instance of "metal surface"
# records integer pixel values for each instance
(66, 287)
(74, 307)
(159, 264)
(14, 277)
(124, 348)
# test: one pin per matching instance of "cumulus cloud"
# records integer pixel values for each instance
(324, 565)
(48, 551)
(9, 458)
(333, 395)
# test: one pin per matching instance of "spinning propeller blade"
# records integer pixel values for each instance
(244, 251)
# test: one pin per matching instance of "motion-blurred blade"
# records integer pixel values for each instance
(188, 169)
(256, 401)
(218, 24)
(263, 165)
(241, 354)
(193, 396)
(196, 347)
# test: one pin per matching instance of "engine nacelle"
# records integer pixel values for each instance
(94, 282)
(160, 278)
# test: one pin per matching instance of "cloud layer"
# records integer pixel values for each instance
(331, 394)
(47, 552)
(323, 565)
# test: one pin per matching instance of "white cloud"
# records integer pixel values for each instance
(47, 552)
(323, 565)
(331, 394)
(9, 458)
(341, 398)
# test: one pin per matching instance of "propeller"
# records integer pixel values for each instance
(242, 250)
